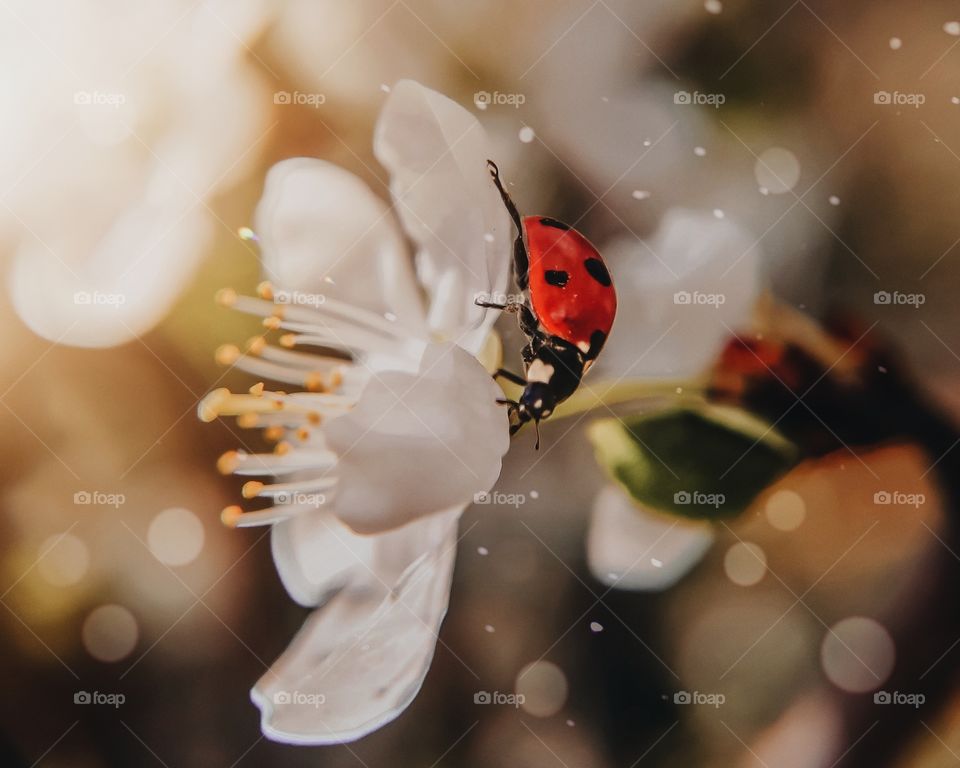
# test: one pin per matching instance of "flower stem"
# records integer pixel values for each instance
(606, 393)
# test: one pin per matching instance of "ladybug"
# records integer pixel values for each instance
(566, 312)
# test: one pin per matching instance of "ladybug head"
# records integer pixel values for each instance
(537, 402)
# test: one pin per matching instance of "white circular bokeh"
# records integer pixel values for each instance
(745, 564)
(110, 633)
(176, 536)
(777, 170)
(64, 560)
(543, 687)
(786, 510)
(857, 654)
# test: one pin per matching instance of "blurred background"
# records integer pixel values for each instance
(135, 142)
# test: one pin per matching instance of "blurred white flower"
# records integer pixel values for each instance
(681, 299)
(632, 548)
(110, 170)
(689, 287)
(398, 428)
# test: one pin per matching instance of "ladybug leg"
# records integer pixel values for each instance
(528, 321)
(510, 376)
(521, 264)
(494, 305)
(513, 408)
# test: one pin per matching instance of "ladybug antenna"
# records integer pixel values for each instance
(536, 427)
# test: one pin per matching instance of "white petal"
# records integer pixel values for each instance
(360, 660)
(437, 154)
(316, 554)
(418, 443)
(322, 231)
(120, 289)
(631, 548)
(655, 334)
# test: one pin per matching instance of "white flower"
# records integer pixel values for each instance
(695, 282)
(659, 332)
(633, 548)
(386, 447)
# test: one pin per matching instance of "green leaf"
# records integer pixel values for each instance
(702, 461)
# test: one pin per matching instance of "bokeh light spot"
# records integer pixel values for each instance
(777, 170)
(176, 536)
(745, 564)
(110, 633)
(543, 686)
(857, 654)
(64, 560)
(786, 510)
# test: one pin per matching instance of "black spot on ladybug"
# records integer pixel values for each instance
(597, 340)
(557, 277)
(598, 271)
(548, 222)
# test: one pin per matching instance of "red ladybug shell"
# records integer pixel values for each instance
(570, 287)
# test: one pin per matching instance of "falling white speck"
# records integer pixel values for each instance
(764, 191)
(534, 494)
(713, 6)
(483, 551)
(329, 280)
(488, 237)
(656, 563)
(640, 194)
(613, 576)
(647, 142)
(526, 134)
(882, 369)
(571, 723)
(952, 28)
(605, 99)
(384, 87)
(596, 626)
(700, 151)
(390, 316)
(718, 214)
(834, 200)
(247, 234)
(896, 43)
(489, 628)
(679, 390)
(955, 99)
